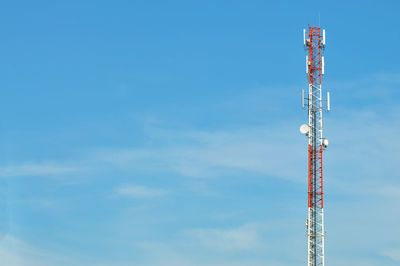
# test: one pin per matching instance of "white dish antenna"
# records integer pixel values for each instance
(304, 129)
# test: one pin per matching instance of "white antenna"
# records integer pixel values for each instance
(323, 66)
(302, 98)
(307, 64)
(328, 101)
(323, 37)
(304, 36)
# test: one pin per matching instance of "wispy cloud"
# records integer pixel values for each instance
(17, 252)
(377, 91)
(393, 254)
(34, 169)
(173, 254)
(391, 192)
(214, 153)
(245, 237)
(132, 191)
(218, 246)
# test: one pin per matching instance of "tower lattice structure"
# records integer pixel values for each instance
(314, 41)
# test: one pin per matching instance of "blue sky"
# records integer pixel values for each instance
(166, 132)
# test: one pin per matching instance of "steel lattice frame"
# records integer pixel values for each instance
(315, 221)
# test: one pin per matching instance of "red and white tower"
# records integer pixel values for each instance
(314, 42)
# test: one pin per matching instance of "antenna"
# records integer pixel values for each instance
(323, 37)
(328, 101)
(307, 64)
(304, 37)
(304, 129)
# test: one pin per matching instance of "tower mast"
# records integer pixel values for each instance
(314, 42)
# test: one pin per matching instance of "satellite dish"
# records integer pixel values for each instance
(304, 129)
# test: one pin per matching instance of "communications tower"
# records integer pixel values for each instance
(314, 43)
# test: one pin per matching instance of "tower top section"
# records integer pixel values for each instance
(314, 42)
(313, 31)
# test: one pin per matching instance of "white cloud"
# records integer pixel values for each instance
(392, 191)
(34, 169)
(133, 191)
(16, 252)
(236, 246)
(393, 254)
(215, 153)
(245, 237)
